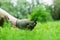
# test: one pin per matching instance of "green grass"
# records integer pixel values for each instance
(42, 31)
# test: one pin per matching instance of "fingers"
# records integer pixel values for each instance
(31, 25)
(25, 24)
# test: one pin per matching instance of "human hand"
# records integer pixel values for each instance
(26, 24)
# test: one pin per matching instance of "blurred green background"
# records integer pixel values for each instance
(47, 16)
(22, 8)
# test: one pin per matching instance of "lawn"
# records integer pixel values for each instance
(42, 31)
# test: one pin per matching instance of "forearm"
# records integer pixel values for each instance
(24, 23)
(11, 18)
(3, 12)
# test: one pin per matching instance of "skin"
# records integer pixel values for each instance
(22, 23)
(10, 17)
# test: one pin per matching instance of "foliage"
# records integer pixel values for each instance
(44, 31)
(40, 14)
(18, 11)
(56, 9)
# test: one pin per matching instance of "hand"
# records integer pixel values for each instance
(25, 23)
(31, 25)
